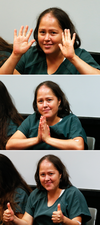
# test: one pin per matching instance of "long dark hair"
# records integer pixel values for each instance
(7, 112)
(64, 108)
(10, 179)
(64, 22)
(5, 47)
(58, 164)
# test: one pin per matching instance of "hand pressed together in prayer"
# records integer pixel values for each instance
(43, 130)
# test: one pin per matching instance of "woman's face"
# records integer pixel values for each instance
(49, 34)
(49, 176)
(47, 103)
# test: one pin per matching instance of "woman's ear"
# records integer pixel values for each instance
(59, 102)
(60, 176)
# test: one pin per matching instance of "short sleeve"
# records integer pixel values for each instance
(12, 128)
(25, 126)
(32, 202)
(20, 198)
(77, 205)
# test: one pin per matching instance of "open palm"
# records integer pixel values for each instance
(67, 46)
(21, 44)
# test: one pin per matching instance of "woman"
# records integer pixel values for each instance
(13, 188)
(52, 126)
(57, 49)
(55, 200)
(10, 119)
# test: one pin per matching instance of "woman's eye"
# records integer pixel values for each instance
(42, 175)
(40, 101)
(53, 33)
(51, 173)
(42, 32)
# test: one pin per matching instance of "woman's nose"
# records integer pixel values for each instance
(47, 177)
(45, 103)
(47, 36)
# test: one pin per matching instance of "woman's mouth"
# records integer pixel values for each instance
(46, 110)
(47, 45)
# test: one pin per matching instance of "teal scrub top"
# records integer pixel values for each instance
(12, 128)
(68, 128)
(4, 55)
(72, 203)
(34, 62)
(20, 198)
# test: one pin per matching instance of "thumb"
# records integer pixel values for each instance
(58, 207)
(9, 206)
(60, 46)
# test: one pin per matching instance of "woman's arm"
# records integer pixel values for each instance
(76, 143)
(67, 49)
(58, 217)
(19, 141)
(19, 215)
(20, 46)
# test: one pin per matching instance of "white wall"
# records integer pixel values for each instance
(83, 166)
(82, 91)
(84, 14)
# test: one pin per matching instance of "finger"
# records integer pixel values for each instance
(59, 207)
(25, 30)
(45, 118)
(63, 37)
(15, 33)
(54, 213)
(73, 38)
(60, 46)
(41, 119)
(31, 42)
(48, 129)
(68, 34)
(9, 206)
(21, 30)
(29, 33)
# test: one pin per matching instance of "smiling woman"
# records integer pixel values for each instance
(55, 200)
(52, 126)
(57, 49)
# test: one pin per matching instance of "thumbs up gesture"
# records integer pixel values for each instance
(57, 216)
(8, 214)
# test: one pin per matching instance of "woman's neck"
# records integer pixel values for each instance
(53, 62)
(52, 121)
(53, 195)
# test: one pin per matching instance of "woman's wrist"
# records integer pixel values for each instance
(48, 140)
(16, 56)
(63, 218)
(73, 59)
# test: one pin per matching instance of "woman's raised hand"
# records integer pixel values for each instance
(57, 216)
(21, 44)
(67, 46)
(8, 214)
